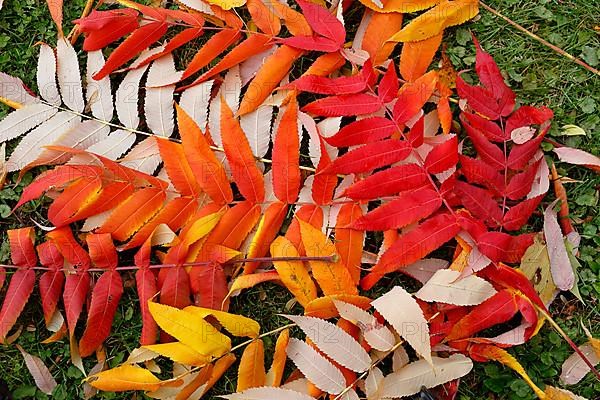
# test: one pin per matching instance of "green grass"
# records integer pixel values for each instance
(537, 74)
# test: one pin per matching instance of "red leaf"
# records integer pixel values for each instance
(370, 157)
(209, 285)
(345, 105)
(363, 131)
(502, 247)
(180, 39)
(311, 43)
(18, 292)
(521, 154)
(388, 182)
(481, 100)
(102, 250)
(76, 288)
(495, 310)
(480, 203)
(111, 195)
(146, 289)
(480, 172)
(487, 128)
(521, 183)
(408, 208)
(335, 86)
(175, 291)
(70, 249)
(413, 246)
(416, 134)
(55, 178)
(22, 251)
(518, 215)
(388, 87)
(138, 41)
(104, 27)
(527, 115)
(105, 300)
(323, 22)
(286, 155)
(512, 278)
(246, 174)
(413, 96)
(491, 77)
(489, 152)
(443, 156)
(51, 282)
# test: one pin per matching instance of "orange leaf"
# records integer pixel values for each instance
(235, 225)
(263, 17)
(75, 197)
(211, 49)
(270, 223)
(286, 155)
(245, 173)
(178, 169)
(416, 57)
(274, 69)
(325, 308)
(275, 374)
(209, 172)
(349, 242)
(251, 372)
(381, 27)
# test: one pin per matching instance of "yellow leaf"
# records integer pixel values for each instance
(433, 22)
(535, 265)
(190, 329)
(179, 353)
(401, 6)
(202, 227)
(275, 374)
(293, 274)
(251, 372)
(247, 281)
(553, 393)
(227, 4)
(237, 325)
(333, 277)
(125, 377)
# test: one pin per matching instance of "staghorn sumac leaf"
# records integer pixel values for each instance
(363, 131)
(443, 156)
(413, 96)
(518, 215)
(388, 182)
(412, 246)
(251, 372)
(344, 105)
(480, 203)
(286, 155)
(369, 157)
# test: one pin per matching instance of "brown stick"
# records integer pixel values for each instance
(541, 40)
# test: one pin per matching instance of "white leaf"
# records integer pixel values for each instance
(144, 157)
(410, 379)
(349, 395)
(98, 93)
(523, 134)
(81, 136)
(374, 384)
(46, 75)
(127, 98)
(399, 359)
(320, 371)
(423, 270)
(115, 145)
(230, 90)
(541, 182)
(198, 5)
(158, 104)
(377, 335)
(195, 101)
(297, 385)
(576, 156)
(24, 119)
(42, 377)
(96, 221)
(401, 310)
(560, 264)
(30, 146)
(574, 369)
(69, 77)
(334, 342)
(262, 393)
(163, 72)
(257, 127)
(250, 67)
(14, 89)
(446, 286)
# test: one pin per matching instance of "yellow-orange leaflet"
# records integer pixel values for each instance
(332, 277)
(237, 325)
(325, 308)
(433, 22)
(179, 353)
(227, 4)
(251, 372)
(190, 329)
(401, 6)
(293, 274)
(125, 377)
(275, 374)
